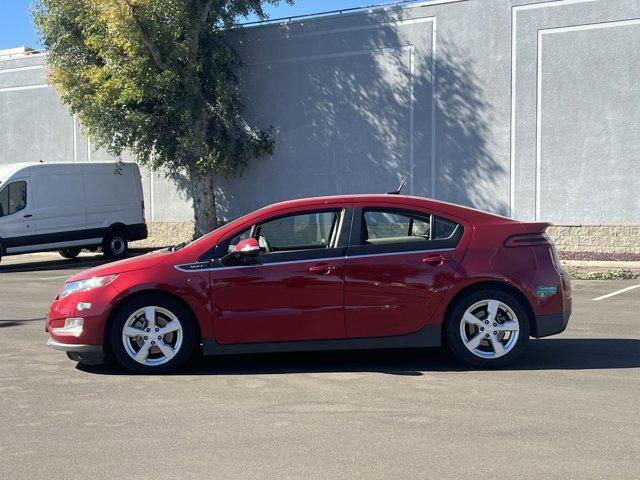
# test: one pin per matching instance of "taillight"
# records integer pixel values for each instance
(144, 220)
(527, 240)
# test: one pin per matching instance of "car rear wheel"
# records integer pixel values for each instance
(114, 245)
(69, 252)
(152, 334)
(488, 328)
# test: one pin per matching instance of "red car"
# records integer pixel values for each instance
(329, 273)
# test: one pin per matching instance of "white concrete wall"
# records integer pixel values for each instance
(525, 108)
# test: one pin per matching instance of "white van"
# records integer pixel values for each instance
(70, 206)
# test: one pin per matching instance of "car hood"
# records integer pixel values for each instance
(141, 262)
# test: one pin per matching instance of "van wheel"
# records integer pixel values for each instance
(488, 329)
(114, 245)
(69, 252)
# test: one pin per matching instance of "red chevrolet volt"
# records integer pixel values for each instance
(329, 273)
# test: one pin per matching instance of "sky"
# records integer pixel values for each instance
(16, 28)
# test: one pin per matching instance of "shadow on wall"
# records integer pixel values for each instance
(467, 172)
(346, 123)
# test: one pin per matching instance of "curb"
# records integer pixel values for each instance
(600, 264)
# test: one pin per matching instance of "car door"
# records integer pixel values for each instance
(400, 262)
(294, 289)
(17, 224)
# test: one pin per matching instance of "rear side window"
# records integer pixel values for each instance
(381, 225)
(13, 198)
(402, 230)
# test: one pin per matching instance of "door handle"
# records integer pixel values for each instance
(435, 260)
(322, 269)
(28, 215)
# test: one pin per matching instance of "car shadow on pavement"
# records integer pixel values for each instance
(17, 323)
(82, 262)
(544, 354)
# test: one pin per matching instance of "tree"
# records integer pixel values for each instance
(157, 78)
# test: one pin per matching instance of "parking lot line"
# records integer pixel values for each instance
(617, 292)
(53, 278)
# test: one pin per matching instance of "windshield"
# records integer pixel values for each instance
(207, 235)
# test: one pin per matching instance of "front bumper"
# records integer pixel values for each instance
(88, 354)
(546, 325)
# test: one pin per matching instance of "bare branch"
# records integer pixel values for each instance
(153, 49)
(195, 39)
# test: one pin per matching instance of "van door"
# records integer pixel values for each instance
(17, 224)
(111, 195)
(59, 197)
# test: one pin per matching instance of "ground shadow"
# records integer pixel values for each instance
(17, 323)
(83, 262)
(544, 354)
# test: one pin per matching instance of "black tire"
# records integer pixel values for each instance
(455, 340)
(115, 245)
(70, 253)
(187, 322)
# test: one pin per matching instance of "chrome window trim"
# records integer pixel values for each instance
(400, 253)
(290, 262)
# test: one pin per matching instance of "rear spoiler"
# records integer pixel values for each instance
(535, 236)
(536, 227)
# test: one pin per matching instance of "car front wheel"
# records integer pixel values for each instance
(152, 334)
(488, 328)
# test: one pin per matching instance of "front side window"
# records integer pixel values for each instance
(298, 232)
(13, 198)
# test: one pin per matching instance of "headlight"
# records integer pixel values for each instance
(84, 285)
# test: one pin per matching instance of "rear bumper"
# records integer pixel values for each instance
(89, 354)
(545, 325)
(139, 231)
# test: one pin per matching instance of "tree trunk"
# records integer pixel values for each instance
(204, 202)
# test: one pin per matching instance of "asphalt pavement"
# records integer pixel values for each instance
(568, 409)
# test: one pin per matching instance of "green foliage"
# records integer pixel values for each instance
(610, 274)
(155, 77)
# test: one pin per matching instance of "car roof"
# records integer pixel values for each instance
(467, 213)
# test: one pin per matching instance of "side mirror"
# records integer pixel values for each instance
(249, 248)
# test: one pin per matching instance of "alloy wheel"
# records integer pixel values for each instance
(152, 335)
(489, 329)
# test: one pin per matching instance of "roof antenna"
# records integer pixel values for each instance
(403, 182)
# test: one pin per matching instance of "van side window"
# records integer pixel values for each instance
(13, 198)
